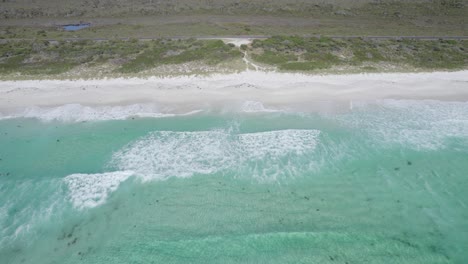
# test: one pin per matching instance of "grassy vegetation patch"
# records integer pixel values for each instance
(181, 51)
(270, 57)
(304, 66)
(436, 54)
(131, 56)
(44, 57)
(291, 53)
(309, 54)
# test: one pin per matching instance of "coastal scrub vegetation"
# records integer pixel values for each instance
(180, 51)
(126, 56)
(293, 53)
(189, 18)
(100, 8)
(286, 53)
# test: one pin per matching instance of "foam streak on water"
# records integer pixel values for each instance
(80, 113)
(166, 154)
(182, 154)
(423, 125)
(91, 190)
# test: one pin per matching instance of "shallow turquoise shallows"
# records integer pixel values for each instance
(386, 182)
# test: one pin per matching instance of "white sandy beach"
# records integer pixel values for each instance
(260, 90)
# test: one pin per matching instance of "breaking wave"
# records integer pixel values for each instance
(80, 113)
(421, 125)
(264, 156)
(165, 154)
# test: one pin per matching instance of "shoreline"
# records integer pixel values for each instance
(225, 92)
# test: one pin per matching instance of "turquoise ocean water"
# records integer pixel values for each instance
(386, 182)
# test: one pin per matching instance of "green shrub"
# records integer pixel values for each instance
(305, 66)
(270, 57)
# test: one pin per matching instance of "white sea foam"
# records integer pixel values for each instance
(165, 154)
(181, 154)
(277, 143)
(255, 106)
(30, 204)
(79, 113)
(422, 125)
(91, 190)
